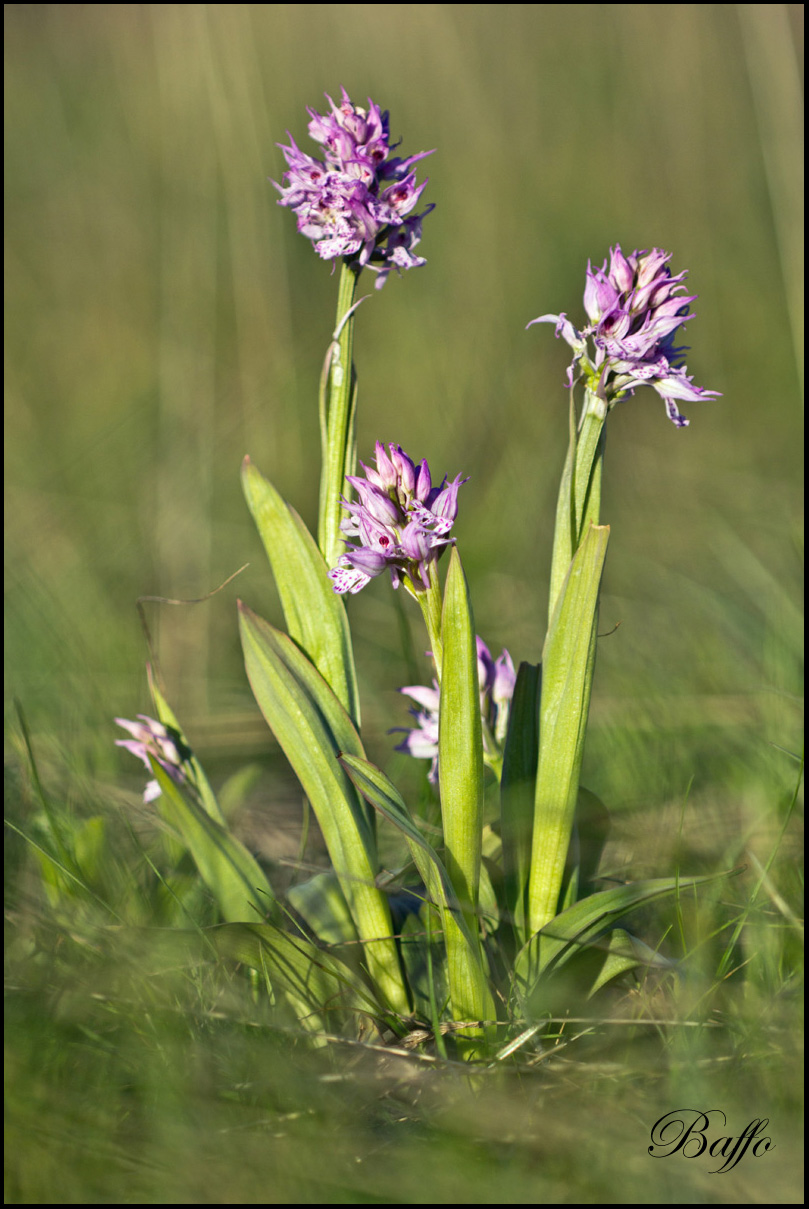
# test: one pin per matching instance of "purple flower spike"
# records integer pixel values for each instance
(402, 522)
(162, 743)
(422, 740)
(359, 202)
(635, 309)
(496, 679)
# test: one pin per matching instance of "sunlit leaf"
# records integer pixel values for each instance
(312, 728)
(315, 615)
(567, 674)
(586, 921)
(232, 875)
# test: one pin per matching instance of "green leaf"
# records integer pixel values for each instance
(322, 991)
(460, 774)
(565, 527)
(383, 795)
(424, 957)
(313, 728)
(233, 876)
(321, 904)
(315, 615)
(567, 676)
(234, 792)
(591, 827)
(470, 995)
(460, 743)
(166, 715)
(517, 793)
(319, 986)
(582, 924)
(621, 952)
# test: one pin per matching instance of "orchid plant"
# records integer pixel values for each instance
(465, 941)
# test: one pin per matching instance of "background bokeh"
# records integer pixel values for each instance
(164, 319)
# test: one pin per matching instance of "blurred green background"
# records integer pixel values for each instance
(164, 318)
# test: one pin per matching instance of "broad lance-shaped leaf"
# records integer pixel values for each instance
(312, 728)
(582, 924)
(232, 875)
(460, 774)
(315, 615)
(460, 743)
(470, 995)
(567, 675)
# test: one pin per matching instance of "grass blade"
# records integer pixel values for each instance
(318, 985)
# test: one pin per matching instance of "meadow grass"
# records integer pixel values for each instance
(164, 319)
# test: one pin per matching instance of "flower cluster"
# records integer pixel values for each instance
(360, 201)
(496, 678)
(163, 744)
(635, 308)
(401, 520)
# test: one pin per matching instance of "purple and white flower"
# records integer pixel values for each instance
(163, 744)
(496, 680)
(422, 740)
(359, 200)
(635, 309)
(402, 522)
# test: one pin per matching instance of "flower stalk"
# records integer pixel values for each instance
(431, 605)
(338, 405)
(579, 502)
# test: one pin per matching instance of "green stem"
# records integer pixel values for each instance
(431, 606)
(337, 414)
(579, 502)
(579, 550)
